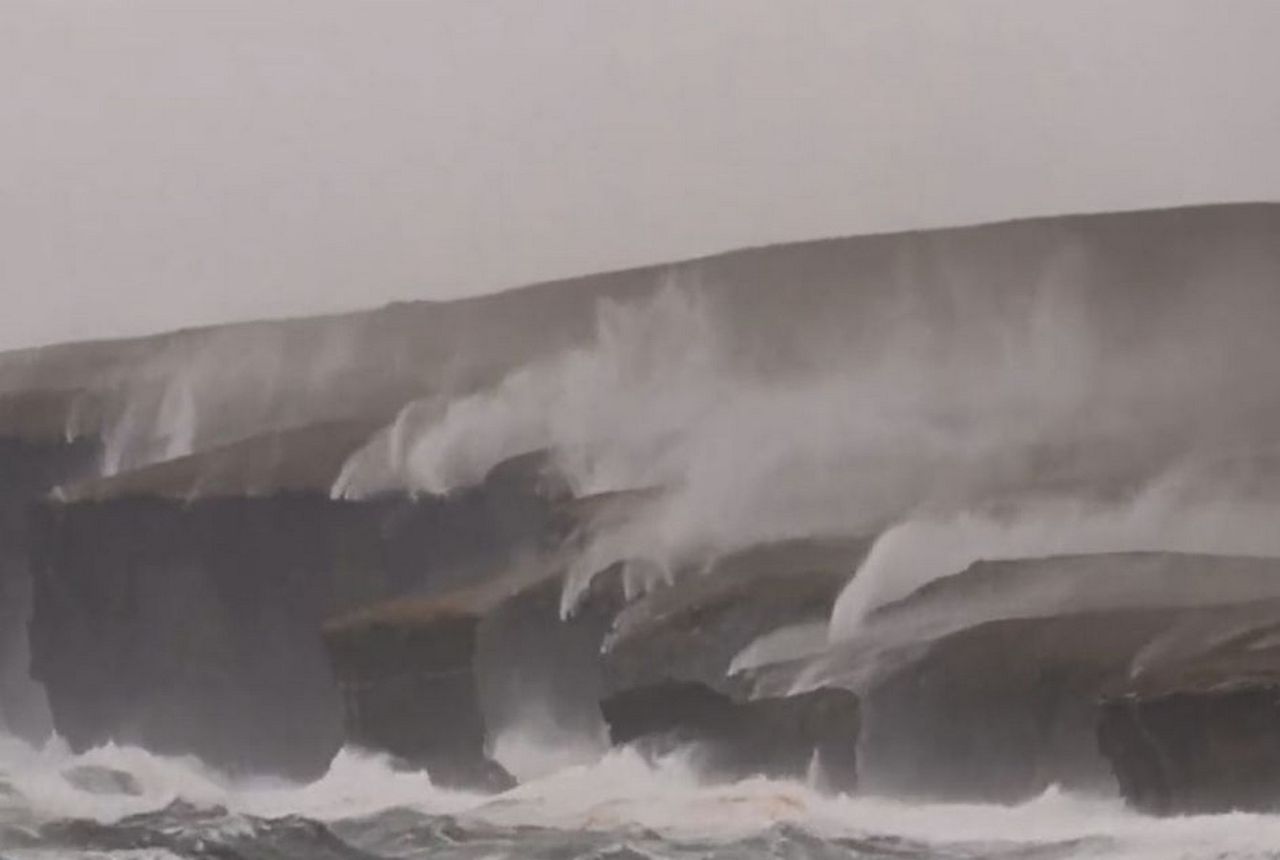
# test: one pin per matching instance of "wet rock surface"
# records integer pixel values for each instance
(1197, 730)
(795, 737)
(407, 675)
(984, 686)
(192, 625)
(1002, 711)
(692, 631)
(39, 450)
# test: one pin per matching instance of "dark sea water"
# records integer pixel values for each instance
(617, 808)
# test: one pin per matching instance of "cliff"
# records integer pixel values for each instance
(808, 735)
(38, 451)
(985, 686)
(1194, 730)
(180, 607)
(668, 666)
(179, 590)
(408, 682)
(693, 629)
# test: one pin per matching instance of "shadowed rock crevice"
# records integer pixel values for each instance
(813, 734)
(1197, 730)
(985, 685)
(692, 630)
(406, 672)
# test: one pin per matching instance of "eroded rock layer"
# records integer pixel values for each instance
(192, 624)
(406, 672)
(38, 451)
(985, 686)
(1196, 728)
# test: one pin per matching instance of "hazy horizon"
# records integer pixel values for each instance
(182, 167)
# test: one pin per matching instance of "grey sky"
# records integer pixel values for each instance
(167, 164)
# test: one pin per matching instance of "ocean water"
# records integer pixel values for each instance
(620, 807)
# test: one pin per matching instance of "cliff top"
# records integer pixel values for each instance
(300, 459)
(249, 377)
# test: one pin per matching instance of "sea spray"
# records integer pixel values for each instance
(949, 398)
(1186, 510)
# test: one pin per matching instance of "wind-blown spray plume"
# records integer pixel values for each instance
(952, 383)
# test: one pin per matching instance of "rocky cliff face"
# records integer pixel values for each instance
(540, 673)
(407, 675)
(1197, 751)
(513, 662)
(668, 665)
(693, 630)
(178, 599)
(1196, 729)
(37, 452)
(1002, 711)
(985, 686)
(808, 735)
(181, 611)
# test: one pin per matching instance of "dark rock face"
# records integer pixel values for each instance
(692, 631)
(667, 660)
(192, 625)
(1002, 711)
(194, 628)
(35, 456)
(1197, 728)
(985, 686)
(408, 681)
(782, 737)
(540, 673)
(1196, 752)
(434, 681)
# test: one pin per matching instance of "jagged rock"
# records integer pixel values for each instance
(191, 623)
(539, 672)
(692, 631)
(667, 660)
(812, 733)
(984, 686)
(407, 675)
(1001, 711)
(1196, 729)
(430, 680)
(1196, 751)
(96, 779)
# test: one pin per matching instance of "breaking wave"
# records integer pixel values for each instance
(621, 805)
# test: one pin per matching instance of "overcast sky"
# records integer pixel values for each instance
(175, 163)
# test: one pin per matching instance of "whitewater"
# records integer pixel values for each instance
(620, 806)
